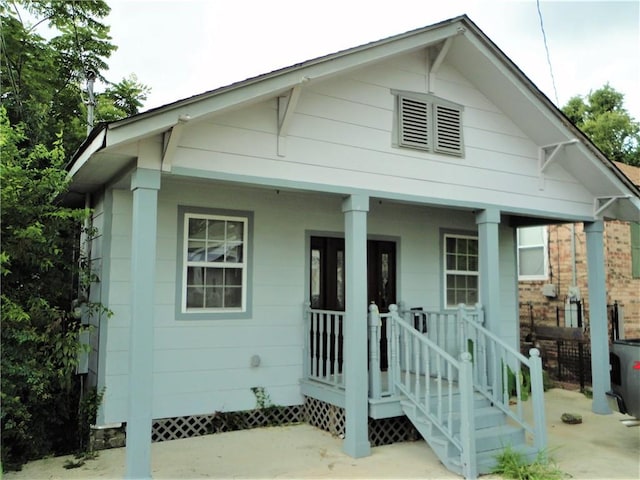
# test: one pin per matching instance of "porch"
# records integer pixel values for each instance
(460, 385)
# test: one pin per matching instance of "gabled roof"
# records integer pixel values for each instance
(467, 48)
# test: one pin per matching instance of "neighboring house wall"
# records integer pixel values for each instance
(623, 285)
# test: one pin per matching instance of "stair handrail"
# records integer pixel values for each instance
(465, 442)
(486, 350)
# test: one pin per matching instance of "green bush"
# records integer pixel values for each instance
(40, 392)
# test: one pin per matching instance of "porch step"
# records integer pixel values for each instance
(492, 435)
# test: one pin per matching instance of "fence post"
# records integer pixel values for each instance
(375, 324)
(467, 423)
(537, 398)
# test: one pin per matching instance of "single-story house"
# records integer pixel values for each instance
(340, 234)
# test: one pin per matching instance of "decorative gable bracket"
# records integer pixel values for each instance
(286, 108)
(600, 204)
(170, 141)
(548, 154)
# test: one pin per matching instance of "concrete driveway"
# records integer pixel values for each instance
(602, 447)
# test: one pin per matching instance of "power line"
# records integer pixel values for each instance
(546, 47)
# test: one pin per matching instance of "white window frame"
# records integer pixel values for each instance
(242, 311)
(455, 272)
(544, 247)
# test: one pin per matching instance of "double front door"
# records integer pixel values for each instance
(328, 292)
(327, 273)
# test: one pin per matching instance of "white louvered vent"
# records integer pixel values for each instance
(414, 123)
(448, 123)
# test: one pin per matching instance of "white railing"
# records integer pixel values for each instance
(428, 345)
(504, 375)
(436, 383)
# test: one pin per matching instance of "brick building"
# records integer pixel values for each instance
(553, 274)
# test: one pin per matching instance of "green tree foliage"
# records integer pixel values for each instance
(43, 116)
(45, 78)
(39, 279)
(602, 117)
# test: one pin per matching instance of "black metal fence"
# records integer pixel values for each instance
(569, 359)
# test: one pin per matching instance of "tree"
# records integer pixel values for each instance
(39, 335)
(603, 118)
(42, 117)
(45, 78)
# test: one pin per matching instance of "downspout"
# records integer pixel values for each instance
(574, 274)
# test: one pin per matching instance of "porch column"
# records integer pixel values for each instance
(488, 222)
(356, 440)
(145, 184)
(600, 381)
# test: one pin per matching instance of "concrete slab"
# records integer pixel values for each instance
(602, 447)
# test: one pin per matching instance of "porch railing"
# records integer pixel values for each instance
(429, 345)
(324, 344)
(504, 375)
(435, 383)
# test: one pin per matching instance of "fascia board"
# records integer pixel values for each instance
(547, 108)
(96, 144)
(270, 85)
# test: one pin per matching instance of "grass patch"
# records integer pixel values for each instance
(514, 465)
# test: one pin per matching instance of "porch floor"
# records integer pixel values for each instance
(302, 451)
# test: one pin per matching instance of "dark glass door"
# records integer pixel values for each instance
(327, 283)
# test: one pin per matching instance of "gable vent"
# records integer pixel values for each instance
(414, 123)
(448, 123)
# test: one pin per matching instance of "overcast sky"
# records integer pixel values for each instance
(184, 47)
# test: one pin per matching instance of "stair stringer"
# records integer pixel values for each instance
(492, 435)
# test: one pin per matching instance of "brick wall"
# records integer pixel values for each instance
(621, 287)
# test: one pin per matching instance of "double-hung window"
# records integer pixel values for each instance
(460, 269)
(214, 263)
(532, 253)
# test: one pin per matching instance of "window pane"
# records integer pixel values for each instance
(531, 236)
(195, 297)
(532, 261)
(195, 251)
(214, 276)
(233, 277)
(233, 297)
(315, 278)
(197, 228)
(215, 252)
(235, 231)
(234, 254)
(213, 298)
(451, 262)
(195, 276)
(216, 230)
(473, 264)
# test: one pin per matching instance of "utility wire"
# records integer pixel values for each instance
(546, 47)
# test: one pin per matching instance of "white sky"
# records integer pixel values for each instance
(182, 48)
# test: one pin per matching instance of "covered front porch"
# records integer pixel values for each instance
(462, 387)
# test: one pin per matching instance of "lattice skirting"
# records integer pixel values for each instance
(382, 431)
(196, 425)
(315, 412)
